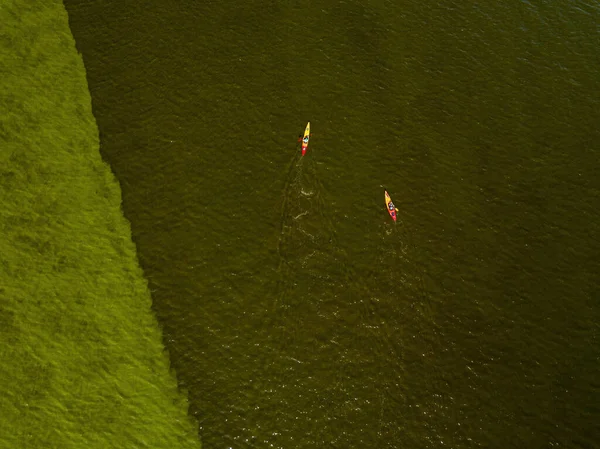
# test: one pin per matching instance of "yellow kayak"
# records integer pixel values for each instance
(390, 206)
(305, 138)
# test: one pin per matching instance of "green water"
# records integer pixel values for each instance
(82, 364)
(296, 313)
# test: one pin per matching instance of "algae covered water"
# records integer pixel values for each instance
(82, 363)
(296, 313)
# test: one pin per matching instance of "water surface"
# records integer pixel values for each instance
(296, 313)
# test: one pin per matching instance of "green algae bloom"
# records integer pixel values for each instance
(82, 364)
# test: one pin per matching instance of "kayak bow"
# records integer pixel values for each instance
(305, 138)
(390, 206)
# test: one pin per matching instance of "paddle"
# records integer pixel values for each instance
(300, 136)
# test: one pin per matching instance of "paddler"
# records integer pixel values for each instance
(391, 206)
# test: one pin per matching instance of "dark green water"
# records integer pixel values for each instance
(296, 313)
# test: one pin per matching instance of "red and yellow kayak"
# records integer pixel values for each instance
(305, 138)
(390, 206)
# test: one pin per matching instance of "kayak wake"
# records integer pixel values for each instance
(302, 224)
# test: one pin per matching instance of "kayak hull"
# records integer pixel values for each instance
(390, 206)
(305, 138)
